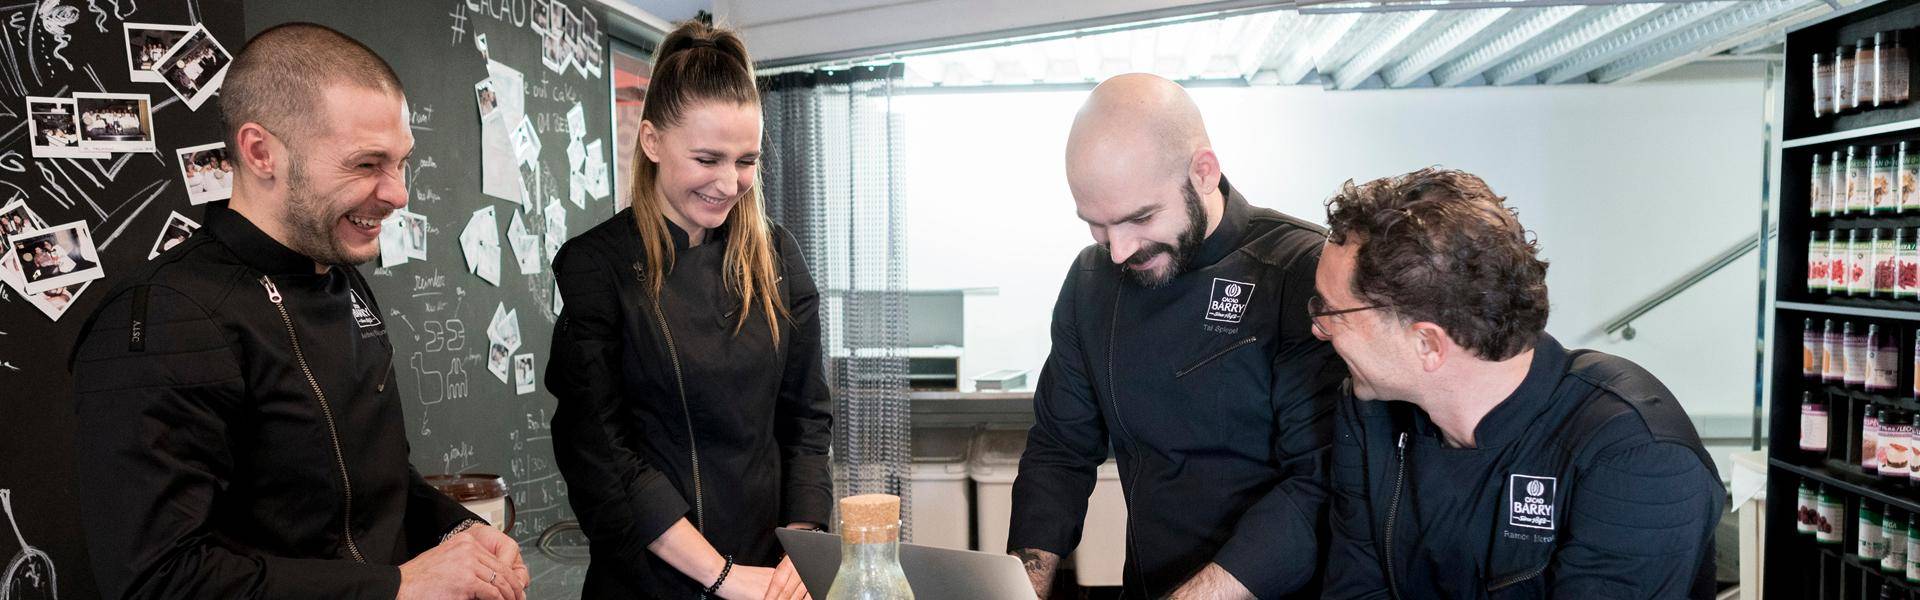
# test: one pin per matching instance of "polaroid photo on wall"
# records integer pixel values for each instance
(523, 373)
(56, 301)
(56, 256)
(487, 99)
(529, 184)
(578, 41)
(15, 218)
(207, 171)
(177, 230)
(195, 67)
(146, 43)
(115, 122)
(555, 51)
(498, 357)
(55, 129)
(540, 18)
(526, 142)
(415, 227)
(590, 44)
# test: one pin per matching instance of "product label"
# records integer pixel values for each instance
(1838, 252)
(1859, 279)
(1813, 427)
(1870, 442)
(1817, 199)
(1828, 526)
(1883, 265)
(1805, 516)
(1895, 557)
(1906, 177)
(1906, 282)
(1896, 449)
(1530, 499)
(1871, 543)
(1885, 197)
(1856, 357)
(1817, 265)
(1859, 185)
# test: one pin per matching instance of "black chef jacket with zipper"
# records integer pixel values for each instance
(211, 466)
(1588, 481)
(666, 412)
(1216, 399)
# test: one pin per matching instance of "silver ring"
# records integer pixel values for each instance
(492, 575)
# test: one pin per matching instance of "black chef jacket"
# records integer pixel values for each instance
(743, 453)
(1587, 482)
(1216, 399)
(209, 466)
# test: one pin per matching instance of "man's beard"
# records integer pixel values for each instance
(310, 226)
(1182, 253)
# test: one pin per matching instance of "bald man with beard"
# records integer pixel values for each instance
(1181, 341)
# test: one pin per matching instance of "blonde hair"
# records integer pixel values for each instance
(700, 63)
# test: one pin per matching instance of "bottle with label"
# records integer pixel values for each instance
(1894, 529)
(1906, 279)
(1868, 538)
(1833, 362)
(1860, 263)
(1906, 175)
(1881, 163)
(1839, 252)
(870, 550)
(1896, 444)
(1842, 80)
(1859, 180)
(1813, 423)
(1855, 350)
(1913, 548)
(1804, 514)
(1870, 439)
(1817, 203)
(1809, 352)
(1886, 262)
(1864, 67)
(1816, 263)
(1895, 69)
(1822, 86)
(1883, 360)
(1829, 525)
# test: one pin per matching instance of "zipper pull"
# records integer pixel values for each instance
(1402, 444)
(273, 293)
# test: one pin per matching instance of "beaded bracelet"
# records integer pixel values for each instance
(715, 588)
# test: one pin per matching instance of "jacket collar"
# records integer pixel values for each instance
(1226, 236)
(254, 247)
(681, 241)
(1509, 419)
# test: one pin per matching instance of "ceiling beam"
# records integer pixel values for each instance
(1387, 46)
(1607, 22)
(1450, 44)
(1752, 20)
(1326, 31)
(1649, 32)
(1504, 46)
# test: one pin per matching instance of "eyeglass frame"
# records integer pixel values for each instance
(1313, 316)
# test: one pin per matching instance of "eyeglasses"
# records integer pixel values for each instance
(1317, 309)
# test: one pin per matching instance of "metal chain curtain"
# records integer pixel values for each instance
(832, 176)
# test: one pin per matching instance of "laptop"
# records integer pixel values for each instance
(933, 573)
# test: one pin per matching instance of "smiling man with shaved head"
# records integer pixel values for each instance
(1180, 341)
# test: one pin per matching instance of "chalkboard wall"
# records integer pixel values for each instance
(461, 418)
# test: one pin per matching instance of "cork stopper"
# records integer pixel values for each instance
(870, 518)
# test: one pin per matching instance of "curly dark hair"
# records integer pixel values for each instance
(1438, 246)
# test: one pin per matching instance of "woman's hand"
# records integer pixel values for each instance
(746, 583)
(786, 584)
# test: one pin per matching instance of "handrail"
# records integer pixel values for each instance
(1735, 253)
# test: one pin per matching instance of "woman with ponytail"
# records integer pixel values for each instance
(693, 418)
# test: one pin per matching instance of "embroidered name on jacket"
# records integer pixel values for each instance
(1531, 498)
(1228, 301)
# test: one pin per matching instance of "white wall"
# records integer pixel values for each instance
(1628, 187)
(782, 29)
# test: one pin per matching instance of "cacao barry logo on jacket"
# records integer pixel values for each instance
(363, 315)
(1229, 300)
(1531, 501)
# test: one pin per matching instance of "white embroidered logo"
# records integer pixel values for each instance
(1228, 300)
(1531, 500)
(361, 314)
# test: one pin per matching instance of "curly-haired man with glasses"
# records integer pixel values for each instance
(1476, 456)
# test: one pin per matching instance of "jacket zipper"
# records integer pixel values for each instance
(1113, 398)
(1393, 512)
(686, 410)
(1510, 581)
(1223, 352)
(326, 410)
